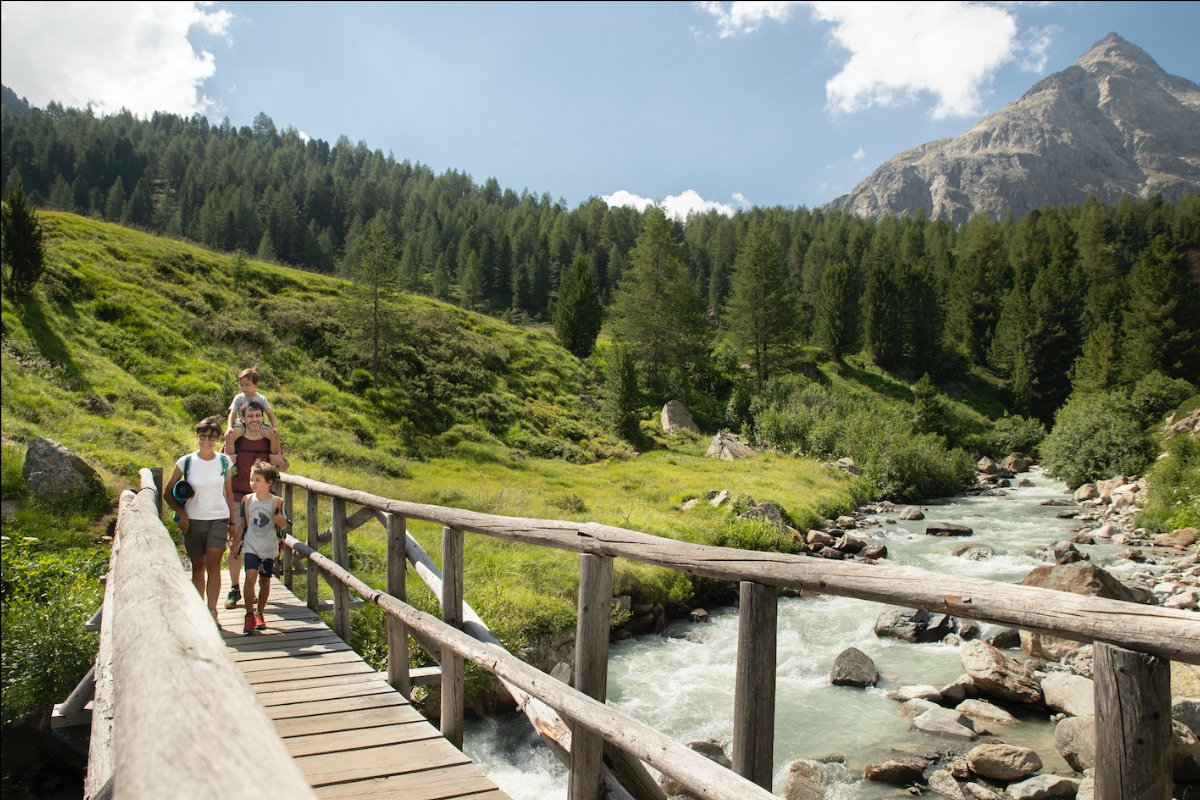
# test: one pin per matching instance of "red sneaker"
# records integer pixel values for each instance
(260, 624)
(249, 626)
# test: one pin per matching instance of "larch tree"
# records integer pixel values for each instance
(375, 275)
(23, 249)
(761, 311)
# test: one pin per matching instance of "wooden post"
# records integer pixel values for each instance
(397, 564)
(341, 557)
(156, 472)
(1134, 743)
(453, 687)
(593, 612)
(286, 555)
(754, 688)
(314, 530)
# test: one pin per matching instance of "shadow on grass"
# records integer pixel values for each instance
(49, 345)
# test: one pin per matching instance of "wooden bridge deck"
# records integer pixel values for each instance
(350, 732)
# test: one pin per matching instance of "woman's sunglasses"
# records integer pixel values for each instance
(208, 437)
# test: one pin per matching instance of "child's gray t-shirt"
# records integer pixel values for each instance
(260, 536)
(240, 401)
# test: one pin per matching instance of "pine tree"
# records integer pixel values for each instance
(579, 313)
(375, 274)
(1161, 328)
(837, 311)
(621, 393)
(24, 252)
(761, 312)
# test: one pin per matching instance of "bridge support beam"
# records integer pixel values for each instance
(754, 687)
(397, 564)
(1134, 745)
(341, 557)
(314, 530)
(593, 613)
(453, 686)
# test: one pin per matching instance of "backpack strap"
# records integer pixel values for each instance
(187, 463)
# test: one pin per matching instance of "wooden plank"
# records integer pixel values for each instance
(397, 566)
(1134, 743)
(1168, 633)
(334, 705)
(375, 762)
(754, 683)
(346, 720)
(456, 781)
(593, 615)
(351, 740)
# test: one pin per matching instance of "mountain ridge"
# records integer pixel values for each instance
(1111, 124)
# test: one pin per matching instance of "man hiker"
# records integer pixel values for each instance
(256, 444)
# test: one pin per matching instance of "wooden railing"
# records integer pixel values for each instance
(172, 715)
(1133, 643)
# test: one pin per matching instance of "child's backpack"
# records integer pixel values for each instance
(182, 491)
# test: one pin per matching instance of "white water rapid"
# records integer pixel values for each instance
(681, 682)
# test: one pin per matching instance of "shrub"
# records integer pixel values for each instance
(1095, 437)
(1173, 486)
(1014, 434)
(1156, 394)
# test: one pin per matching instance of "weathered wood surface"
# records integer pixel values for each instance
(97, 782)
(1134, 743)
(177, 693)
(698, 774)
(754, 684)
(1164, 632)
(592, 625)
(453, 674)
(350, 733)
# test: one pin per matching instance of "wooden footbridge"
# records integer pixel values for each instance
(181, 708)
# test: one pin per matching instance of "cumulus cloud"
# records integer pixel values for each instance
(676, 205)
(899, 51)
(109, 55)
(859, 154)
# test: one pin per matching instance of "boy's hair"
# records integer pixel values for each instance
(250, 373)
(209, 425)
(255, 403)
(265, 471)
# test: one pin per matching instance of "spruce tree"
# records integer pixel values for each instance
(621, 393)
(1161, 328)
(761, 313)
(579, 313)
(23, 249)
(838, 310)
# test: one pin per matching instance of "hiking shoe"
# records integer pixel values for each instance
(260, 624)
(234, 596)
(249, 626)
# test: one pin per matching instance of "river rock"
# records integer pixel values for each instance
(916, 706)
(1186, 761)
(807, 780)
(1082, 577)
(920, 691)
(912, 625)
(1181, 538)
(675, 417)
(1069, 693)
(1042, 787)
(1187, 711)
(947, 529)
(912, 513)
(946, 722)
(897, 770)
(958, 690)
(998, 675)
(1075, 740)
(853, 667)
(1003, 762)
(873, 552)
(708, 748)
(53, 472)
(943, 783)
(1086, 492)
(975, 791)
(982, 709)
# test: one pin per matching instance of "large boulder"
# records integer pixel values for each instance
(728, 447)
(997, 675)
(708, 748)
(1069, 693)
(853, 667)
(1075, 740)
(1081, 577)
(1003, 762)
(913, 625)
(52, 472)
(675, 417)
(896, 770)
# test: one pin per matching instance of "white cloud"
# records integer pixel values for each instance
(677, 205)
(859, 154)
(109, 55)
(899, 51)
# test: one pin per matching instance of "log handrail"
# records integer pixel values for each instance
(1164, 632)
(180, 723)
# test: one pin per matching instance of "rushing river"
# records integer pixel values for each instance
(681, 682)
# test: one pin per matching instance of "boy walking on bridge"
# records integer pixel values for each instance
(262, 529)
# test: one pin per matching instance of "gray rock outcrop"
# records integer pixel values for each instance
(675, 417)
(853, 667)
(728, 447)
(53, 472)
(997, 675)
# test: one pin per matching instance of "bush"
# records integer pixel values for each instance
(1173, 486)
(1095, 437)
(1156, 394)
(1014, 434)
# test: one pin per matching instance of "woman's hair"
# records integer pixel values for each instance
(209, 424)
(265, 471)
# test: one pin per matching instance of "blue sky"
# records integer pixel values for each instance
(693, 105)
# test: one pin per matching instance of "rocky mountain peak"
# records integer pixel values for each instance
(1111, 124)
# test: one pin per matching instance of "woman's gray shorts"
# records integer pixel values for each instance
(205, 534)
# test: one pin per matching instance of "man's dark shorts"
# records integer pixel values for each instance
(204, 535)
